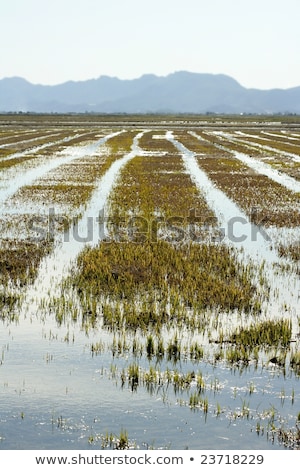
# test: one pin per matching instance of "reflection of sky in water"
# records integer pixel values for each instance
(256, 243)
(238, 231)
(294, 157)
(65, 395)
(88, 230)
(26, 178)
(35, 149)
(80, 391)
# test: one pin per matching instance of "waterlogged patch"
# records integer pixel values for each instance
(172, 331)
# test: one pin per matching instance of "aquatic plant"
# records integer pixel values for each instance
(270, 332)
(114, 441)
(160, 296)
(291, 251)
(146, 279)
(19, 261)
(295, 361)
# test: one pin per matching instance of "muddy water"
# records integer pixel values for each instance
(55, 393)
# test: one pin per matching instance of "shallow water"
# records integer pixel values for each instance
(55, 393)
(36, 148)
(89, 230)
(262, 167)
(16, 180)
(229, 137)
(252, 242)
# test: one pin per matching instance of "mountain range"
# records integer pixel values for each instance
(179, 92)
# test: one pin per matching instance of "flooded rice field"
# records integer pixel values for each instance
(149, 282)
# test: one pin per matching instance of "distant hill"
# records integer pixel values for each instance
(179, 92)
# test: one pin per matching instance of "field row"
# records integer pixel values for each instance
(155, 259)
(156, 196)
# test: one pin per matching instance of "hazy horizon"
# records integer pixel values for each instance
(256, 43)
(70, 80)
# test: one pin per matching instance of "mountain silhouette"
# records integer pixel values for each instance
(179, 92)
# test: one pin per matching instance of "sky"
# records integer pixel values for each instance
(257, 42)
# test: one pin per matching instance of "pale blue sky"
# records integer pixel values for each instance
(257, 42)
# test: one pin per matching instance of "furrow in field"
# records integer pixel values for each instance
(251, 142)
(39, 214)
(277, 141)
(261, 167)
(17, 144)
(88, 230)
(284, 137)
(29, 140)
(71, 184)
(235, 223)
(156, 187)
(278, 208)
(14, 182)
(158, 270)
(262, 199)
(16, 155)
(34, 150)
(9, 136)
(293, 135)
(11, 130)
(279, 162)
(42, 213)
(239, 231)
